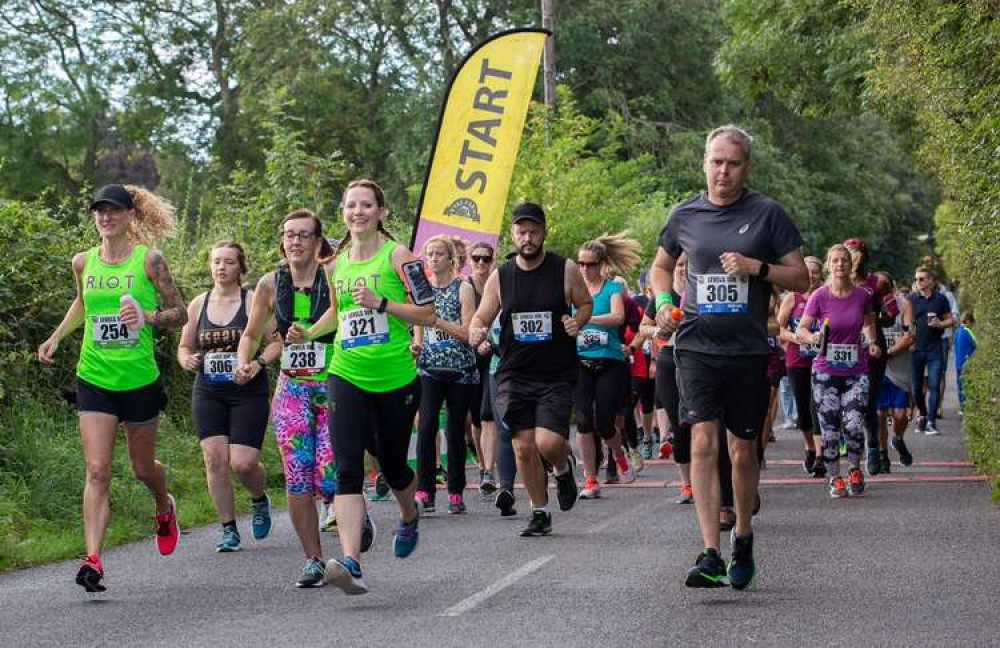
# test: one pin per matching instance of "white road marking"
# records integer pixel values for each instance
(502, 584)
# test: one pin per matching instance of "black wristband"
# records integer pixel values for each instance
(261, 362)
(382, 305)
(764, 269)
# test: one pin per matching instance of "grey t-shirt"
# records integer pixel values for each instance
(724, 315)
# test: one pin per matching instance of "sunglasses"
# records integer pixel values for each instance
(920, 278)
(480, 259)
(587, 264)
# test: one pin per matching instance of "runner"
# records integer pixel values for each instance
(965, 347)
(798, 361)
(448, 374)
(602, 376)
(931, 315)
(538, 361)
(297, 292)
(230, 414)
(895, 396)
(738, 243)
(374, 388)
(483, 431)
(840, 370)
(506, 463)
(118, 382)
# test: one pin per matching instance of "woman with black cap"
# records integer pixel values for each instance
(118, 286)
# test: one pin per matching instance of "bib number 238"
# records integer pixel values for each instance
(303, 359)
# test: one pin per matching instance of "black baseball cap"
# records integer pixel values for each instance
(113, 194)
(528, 211)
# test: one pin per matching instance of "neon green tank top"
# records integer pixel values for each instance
(111, 356)
(301, 307)
(373, 349)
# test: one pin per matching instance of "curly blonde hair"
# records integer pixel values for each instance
(154, 216)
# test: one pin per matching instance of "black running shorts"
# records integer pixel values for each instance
(733, 389)
(141, 406)
(523, 403)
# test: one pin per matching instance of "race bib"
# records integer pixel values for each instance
(841, 356)
(591, 339)
(110, 332)
(892, 337)
(363, 327)
(722, 294)
(306, 359)
(532, 327)
(219, 367)
(809, 350)
(435, 337)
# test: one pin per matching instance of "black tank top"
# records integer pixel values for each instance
(213, 338)
(284, 300)
(533, 342)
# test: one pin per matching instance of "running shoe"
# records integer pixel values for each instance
(90, 574)
(229, 542)
(809, 465)
(647, 449)
(709, 571)
(687, 495)
(425, 502)
(838, 488)
(742, 570)
(727, 519)
(635, 458)
(655, 435)
(856, 481)
(874, 463)
(329, 523)
(368, 532)
(612, 472)
(167, 531)
(886, 463)
(566, 489)
(456, 506)
(931, 429)
(921, 424)
(381, 486)
(405, 538)
(260, 518)
(591, 489)
(486, 484)
(345, 574)
(540, 525)
(505, 502)
(666, 449)
(312, 574)
(625, 469)
(819, 470)
(441, 477)
(905, 457)
(771, 436)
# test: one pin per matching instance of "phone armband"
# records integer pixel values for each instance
(417, 284)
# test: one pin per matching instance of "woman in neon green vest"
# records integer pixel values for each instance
(374, 389)
(118, 284)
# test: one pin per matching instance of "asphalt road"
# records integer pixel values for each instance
(912, 563)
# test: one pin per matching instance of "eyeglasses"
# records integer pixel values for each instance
(920, 278)
(480, 259)
(302, 236)
(587, 264)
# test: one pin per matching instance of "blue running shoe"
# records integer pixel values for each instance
(345, 574)
(229, 542)
(312, 574)
(405, 539)
(742, 569)
(260, 518)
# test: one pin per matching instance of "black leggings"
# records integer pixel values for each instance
(876, 370)
(800, 380)
(598, 396)
(457, 396)
(379, 422)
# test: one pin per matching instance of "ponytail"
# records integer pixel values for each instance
(154, 216)
(616, 253)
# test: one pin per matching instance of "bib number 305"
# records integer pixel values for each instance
(722, 294)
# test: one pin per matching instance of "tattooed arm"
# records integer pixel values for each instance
(174, 315)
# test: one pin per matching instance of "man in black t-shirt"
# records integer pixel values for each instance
(931, 317)
(738, 242)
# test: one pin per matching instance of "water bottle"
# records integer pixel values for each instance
(129, 299)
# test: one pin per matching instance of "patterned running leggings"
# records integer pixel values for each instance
(841, 400)
(299, 416)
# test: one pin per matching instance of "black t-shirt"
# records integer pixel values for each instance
(928, 339)
(727, 315)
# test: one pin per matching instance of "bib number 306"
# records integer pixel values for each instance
(219, 367)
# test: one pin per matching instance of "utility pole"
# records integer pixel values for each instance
(549, 54)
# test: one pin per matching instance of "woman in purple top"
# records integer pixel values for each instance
(840, 370)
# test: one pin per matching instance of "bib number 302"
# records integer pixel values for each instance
(532, 327)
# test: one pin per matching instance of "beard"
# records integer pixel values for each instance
(531, 256)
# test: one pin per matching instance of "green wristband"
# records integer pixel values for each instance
(664, 298)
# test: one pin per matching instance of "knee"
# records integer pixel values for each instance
(98, 474)
(144, 469)
(704, 445)
(244, 467)
(351, 481)
(525, 449)
(743, 454)
(216, 462)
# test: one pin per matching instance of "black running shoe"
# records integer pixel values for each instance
(540, 525)
(905, 457)
(505, 502)
(886, 463)
(90, 574)
(810, 462)
(566, 489)
(874, 464)
(742, 569)
(368, 533)
(819, 470)
(708, 571)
